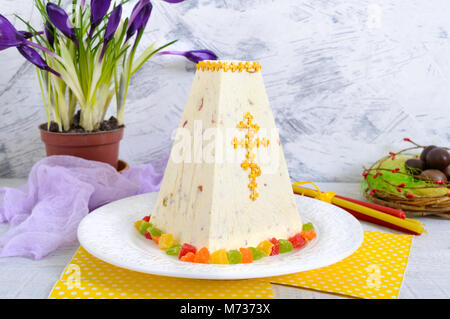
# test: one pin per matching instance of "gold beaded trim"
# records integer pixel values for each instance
(250, 67)
(249, 143)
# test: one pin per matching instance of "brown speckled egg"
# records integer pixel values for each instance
(433, 175)
(437, 158)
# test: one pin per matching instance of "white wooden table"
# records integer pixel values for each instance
(427, 274)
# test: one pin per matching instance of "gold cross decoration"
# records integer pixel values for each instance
(249, 142)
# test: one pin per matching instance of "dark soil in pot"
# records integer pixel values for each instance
(101, 145)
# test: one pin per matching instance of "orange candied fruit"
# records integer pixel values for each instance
(202, 256)
(309, 234)
(156, 239)
(247, 256)
(189, 257)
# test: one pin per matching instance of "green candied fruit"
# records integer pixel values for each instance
(154, 232)
(234, 257)
(257, 253)
(307, 226)
(144, 226)
(285, 246)
(174, 250)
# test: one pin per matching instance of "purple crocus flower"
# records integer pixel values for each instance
(194, 55)
(61, 21)
(111, 27)
(49, 33)
(99, 8)
(173, 1)
(34, 57)
(139, 17)
(9, 36)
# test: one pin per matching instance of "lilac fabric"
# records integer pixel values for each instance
(44, 214)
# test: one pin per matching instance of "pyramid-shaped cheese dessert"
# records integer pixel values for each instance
(226, 185)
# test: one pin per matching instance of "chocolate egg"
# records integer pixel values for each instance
(415, 165)
(447, 172)
(437, 158)
(423, 155)
(433, 175)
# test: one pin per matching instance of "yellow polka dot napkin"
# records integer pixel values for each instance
(374, 271)
(87, 277)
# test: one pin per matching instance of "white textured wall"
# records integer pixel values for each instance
(347, 80)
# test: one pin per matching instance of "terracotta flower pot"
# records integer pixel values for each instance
(98, 146)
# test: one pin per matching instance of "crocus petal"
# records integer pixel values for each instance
(140, 21)
(49, 33)
(194, 55)
(173, 1)
(9, 36)
(113, 23)
(99, 8)
(61, 20)
(34, 57)
(137, 8)
(111, 27)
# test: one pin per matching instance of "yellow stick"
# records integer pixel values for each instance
(414, 226)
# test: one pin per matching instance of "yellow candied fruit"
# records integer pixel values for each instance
(138, 224)
(219, 257)
(266, 247)
(165, 241)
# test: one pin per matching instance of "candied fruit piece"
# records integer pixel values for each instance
(137, 224)
(186, 248)
(202, 256)
(247, 256)
(155, 232)
(297, 241)
(156, 239)
(219, 257)
(276, 247)
(143, 227)
(285, 246)
(308, 235)
(257, 253)
(189, 257)
(165, 241)
(148, 236)
(266, 246)
(307, 226)
(174, 250)
(234, 257)
(146, 218)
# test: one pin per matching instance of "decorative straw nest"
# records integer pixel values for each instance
(390, 183)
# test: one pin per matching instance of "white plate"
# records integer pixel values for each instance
(109, 234)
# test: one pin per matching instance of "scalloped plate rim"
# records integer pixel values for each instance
(221, 272)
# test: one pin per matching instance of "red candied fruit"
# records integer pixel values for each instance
(276, 247)
(146, 219)
(297, 241)
(148, 236)
(186, 248)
